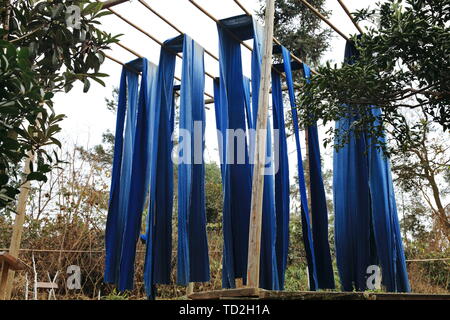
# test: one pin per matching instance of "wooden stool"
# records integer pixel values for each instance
(8, 262)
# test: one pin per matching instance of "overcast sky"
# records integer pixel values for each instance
(87, 116)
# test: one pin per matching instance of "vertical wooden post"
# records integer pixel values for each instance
(16, 238)
(254, 244)
(3, 279)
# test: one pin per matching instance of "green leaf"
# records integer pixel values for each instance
(87, 85)
(92, 8)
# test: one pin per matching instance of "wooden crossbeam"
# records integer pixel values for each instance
(12, 262)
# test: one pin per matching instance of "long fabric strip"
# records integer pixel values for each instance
(306, 225)
(130, 174)
(157, 268)
(193, 260)
(232, 108)
(319, 211)
(282, 186)
(236, 175)
(366, 223)
(385, 219)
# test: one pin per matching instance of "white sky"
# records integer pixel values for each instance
(87, 116)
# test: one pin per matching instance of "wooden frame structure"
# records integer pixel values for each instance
(10, 263)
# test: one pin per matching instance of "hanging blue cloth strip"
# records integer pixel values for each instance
(157, 268)
(319, 211)
(385, 219)
(282, 186)
(306, 225)
(366, 223)
(130, 174)
(232, 107)
(229, 101)
(193, 260)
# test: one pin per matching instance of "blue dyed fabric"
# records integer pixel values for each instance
(193, 259)
(232, 105)
(130, 174)
(306, 224)
(366, 223)
(282, 186)
(319, 211)
(157, 267)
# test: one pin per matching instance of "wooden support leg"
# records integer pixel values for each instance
(3, 280)
(189, 289)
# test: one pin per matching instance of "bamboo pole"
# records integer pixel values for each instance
(112, 3)
(350, 16)
(254, 243)
(233, 35)
(150, 36)
(320, 16)
(208, 101)
(145, 4)
(140, 56)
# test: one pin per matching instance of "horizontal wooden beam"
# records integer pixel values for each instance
(112, 3)
(12, 262)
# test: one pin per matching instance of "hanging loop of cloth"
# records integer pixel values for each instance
(233, 108)
(130, 176)
(193, 260)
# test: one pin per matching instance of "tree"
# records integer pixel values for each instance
(299, 30)
(46, 47)
(403, 64)
(422, 167)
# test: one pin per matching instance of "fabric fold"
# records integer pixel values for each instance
(129, 182)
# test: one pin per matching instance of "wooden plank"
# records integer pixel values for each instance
(410, 296)
(252, 293)
(227, 293)
(254, 243)
(47, 285)
(12, 262)
(314, 295)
